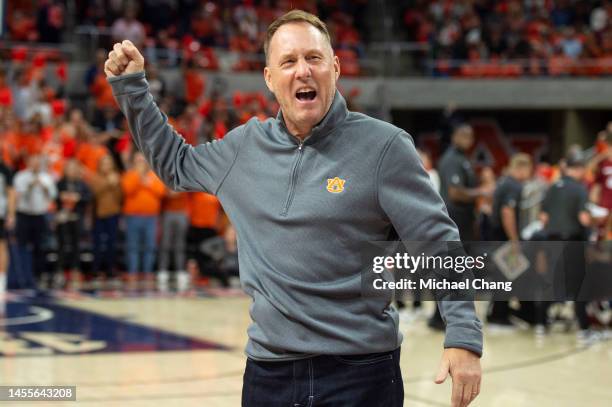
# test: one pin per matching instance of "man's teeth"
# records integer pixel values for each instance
(306, 94)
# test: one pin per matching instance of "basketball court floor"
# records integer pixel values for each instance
(153, 350)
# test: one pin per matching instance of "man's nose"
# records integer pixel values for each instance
(302, 69)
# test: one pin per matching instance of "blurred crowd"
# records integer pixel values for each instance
(79, 201)
(470, 38)
(173, 31)
(514, 37)
(75, 216)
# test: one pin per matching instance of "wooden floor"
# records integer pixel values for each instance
(519, 369)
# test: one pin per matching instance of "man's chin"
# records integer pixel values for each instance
(312, 114)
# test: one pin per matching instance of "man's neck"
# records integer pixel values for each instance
(299, 132)
(302, 132)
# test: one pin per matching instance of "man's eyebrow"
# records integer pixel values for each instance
(291, 54)
(286, 55)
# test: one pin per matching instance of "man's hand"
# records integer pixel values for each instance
(123, 59)
(464, 368)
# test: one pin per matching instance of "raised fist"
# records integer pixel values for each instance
(123, 59)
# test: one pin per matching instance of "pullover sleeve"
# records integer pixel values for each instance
(418, 214)
(179, 165)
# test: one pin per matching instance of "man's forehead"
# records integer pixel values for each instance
(297, 36)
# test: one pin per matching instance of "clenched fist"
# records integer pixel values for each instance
(123, 59)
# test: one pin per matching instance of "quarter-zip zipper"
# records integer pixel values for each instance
(294, 175)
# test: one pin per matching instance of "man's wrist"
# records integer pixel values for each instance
(464, 337)
(128, 83)
(466, 347)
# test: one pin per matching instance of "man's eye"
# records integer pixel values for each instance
(314, 57)
(288, 61)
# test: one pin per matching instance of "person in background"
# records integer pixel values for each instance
(89, 151)
(106, 188)
(36, 191)
(484, 204)
(534, 191)
(128, 27)
(450, 119)
(431, 171)
(224, 252)
(175, 224)
(72, 200)
(507, 200)
(142, 192)
(8, 138)
(566, 218)
(95, 68)
(7, 220)
(204, 219)
(601, 192)
(459, 190)
(53, 153)
(29, 141)
(156, 83)
(458, 182)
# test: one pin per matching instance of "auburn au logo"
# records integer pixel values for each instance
(335, 185)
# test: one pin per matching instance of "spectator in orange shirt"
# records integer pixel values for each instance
(142, 192)
(73, 131)
(102, 92)
(8, 139)
(195, 82)
(204, 218)
(53, 153)
(29, 140)
(89, 153)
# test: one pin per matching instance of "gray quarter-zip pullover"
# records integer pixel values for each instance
(300, 210)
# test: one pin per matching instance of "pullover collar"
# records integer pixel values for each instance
(335, 116)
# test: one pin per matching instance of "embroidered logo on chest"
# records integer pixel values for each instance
(335, 185)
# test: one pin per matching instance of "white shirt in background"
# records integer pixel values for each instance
(34, 200)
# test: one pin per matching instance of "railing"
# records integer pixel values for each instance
(556, 66)
(29, 49)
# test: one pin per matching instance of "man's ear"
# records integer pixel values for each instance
(337, 67)
(268, 79)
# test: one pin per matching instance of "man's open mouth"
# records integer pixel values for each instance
(306, 95)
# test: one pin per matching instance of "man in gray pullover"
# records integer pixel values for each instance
(303, 191)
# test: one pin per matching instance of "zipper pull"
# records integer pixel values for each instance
(301, 145)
